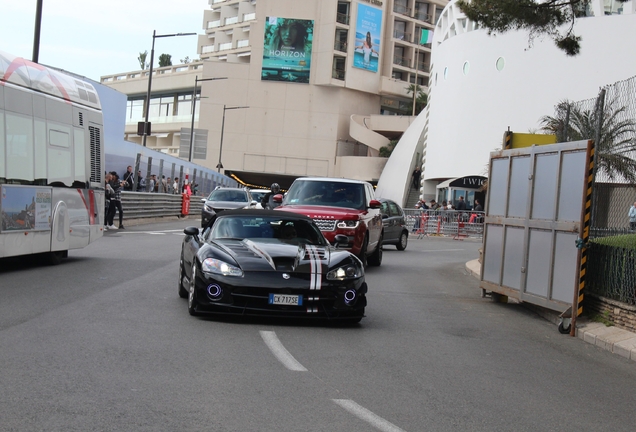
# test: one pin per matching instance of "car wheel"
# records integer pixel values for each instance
(363, 252)
(375, 259)
(402, 242)
(192, 298)
(183, 293)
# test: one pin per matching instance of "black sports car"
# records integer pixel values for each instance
(265, 262)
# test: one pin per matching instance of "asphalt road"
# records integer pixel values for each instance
(103, 342)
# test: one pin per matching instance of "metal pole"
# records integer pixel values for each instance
(36, 34)
(219, 165)
(417, 59)
(194, 105)
(152, 59)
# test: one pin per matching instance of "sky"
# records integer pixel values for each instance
(98, 38)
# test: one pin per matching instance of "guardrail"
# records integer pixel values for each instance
(451, 223)
(142, 205)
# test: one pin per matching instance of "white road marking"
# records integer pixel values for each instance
(442, 250)
(366, 415)
(279, 351)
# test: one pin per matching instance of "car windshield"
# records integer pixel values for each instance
(327, 193)
(228, 195)
(276, 229)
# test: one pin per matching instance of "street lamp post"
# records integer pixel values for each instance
(225, 108)
(194, 102)
(152, 59)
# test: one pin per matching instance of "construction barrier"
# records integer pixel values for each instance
(451, 223)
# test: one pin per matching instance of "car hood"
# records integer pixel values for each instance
(277, 256)
(226, 205)
(323, 212)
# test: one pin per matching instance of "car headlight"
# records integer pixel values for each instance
(349, 271)
(215, 266)
(207, 208)
(351, 224)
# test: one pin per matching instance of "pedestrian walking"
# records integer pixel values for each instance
(115, 202)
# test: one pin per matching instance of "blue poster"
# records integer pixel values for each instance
(287, 50)
(368, 28)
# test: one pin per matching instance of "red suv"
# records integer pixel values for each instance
(341, 206)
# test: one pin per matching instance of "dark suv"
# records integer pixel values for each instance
(341, 206)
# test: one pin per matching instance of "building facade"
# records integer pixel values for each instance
(481, 85)
(323, 106)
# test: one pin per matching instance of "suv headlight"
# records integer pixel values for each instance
(349, 271)
(215, 266)
(350, 224)
(208, 208)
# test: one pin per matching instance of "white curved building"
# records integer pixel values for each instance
(481, 85)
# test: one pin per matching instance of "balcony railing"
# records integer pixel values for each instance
(424, 66)
(338, 74)
(342, 18)
(401, 61)
(231, 20)
(214, 24)
(249, 16)
(400, 35)
(225, 46)
(423, 16)
(403, 10)
(340, 46)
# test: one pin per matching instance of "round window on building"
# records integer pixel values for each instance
(466, 68)
(445, 73)
(500, 63)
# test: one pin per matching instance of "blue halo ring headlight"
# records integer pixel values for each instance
(349, 296)
(214, 292)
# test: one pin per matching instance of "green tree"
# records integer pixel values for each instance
(186, 60)
(420, 100)
(554, 18)
(165, 60)
(142, 59)
(386, 151)
(617, 144)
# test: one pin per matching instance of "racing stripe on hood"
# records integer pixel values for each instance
(315, 282)
(258, 251)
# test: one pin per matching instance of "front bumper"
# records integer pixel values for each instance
(249, 296)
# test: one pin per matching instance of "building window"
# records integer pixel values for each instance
(445, 73)
(500, 63)
(338, 69)
(135, 109)
(465, 68)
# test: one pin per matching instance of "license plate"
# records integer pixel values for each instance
(286, 299)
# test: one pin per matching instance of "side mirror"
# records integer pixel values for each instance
(203, 200)
(278, 198)
(191, 231)
(375, 204)
(340, 239)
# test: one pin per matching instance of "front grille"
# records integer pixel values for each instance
(326, 224)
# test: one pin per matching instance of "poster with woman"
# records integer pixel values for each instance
(368, 28)
(287, 50)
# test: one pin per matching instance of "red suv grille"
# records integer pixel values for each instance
(326, 224)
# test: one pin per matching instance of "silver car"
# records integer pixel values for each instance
(225, 198)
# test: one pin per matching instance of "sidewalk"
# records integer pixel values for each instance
(613, 339)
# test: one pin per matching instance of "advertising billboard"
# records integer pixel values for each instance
(287, 50)
(368, 28)
(25, 208)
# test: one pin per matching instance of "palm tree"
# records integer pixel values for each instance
(616, 148)
(142, 60)
(421, 98)
(165, 60)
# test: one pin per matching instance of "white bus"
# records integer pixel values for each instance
(51, 161)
